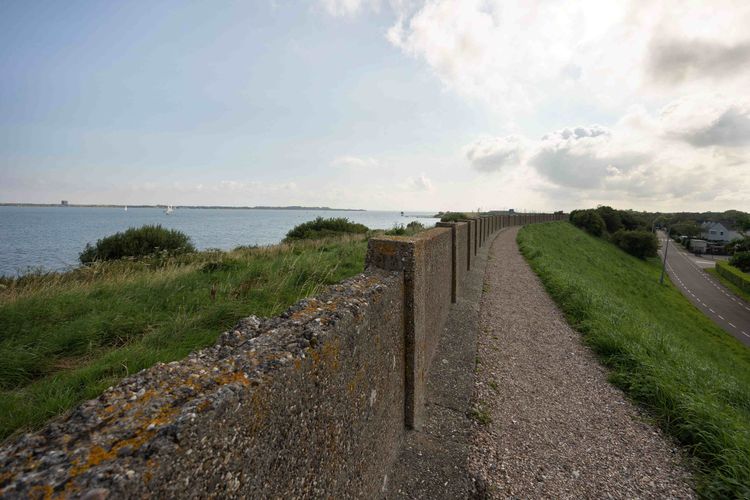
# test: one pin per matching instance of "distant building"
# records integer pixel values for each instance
(698, 246)
(64, 203)
(723, 232)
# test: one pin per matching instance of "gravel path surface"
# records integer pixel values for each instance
(555, 428)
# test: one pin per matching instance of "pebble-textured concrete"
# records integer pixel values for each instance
(305, 405)
(553, 426)
(425, 259)
(460, 245)
(433, 461)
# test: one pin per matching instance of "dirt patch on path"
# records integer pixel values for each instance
(551, 424)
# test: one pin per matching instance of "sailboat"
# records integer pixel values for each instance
(169, 210)
(126, 208)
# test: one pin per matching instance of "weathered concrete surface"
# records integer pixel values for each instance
(433, 461)
(469, 243)
(308, 404)
(425, 260)
(459, 255)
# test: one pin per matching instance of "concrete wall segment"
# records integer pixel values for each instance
(307, 404)
(425, 260)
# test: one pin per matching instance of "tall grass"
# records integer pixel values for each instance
(691, 376)
(66, 337)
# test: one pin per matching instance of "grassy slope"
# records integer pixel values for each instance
(693, 377)
(731, 286)
(65, 338)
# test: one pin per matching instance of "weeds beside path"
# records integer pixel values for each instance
(553, 427)
(690, 375)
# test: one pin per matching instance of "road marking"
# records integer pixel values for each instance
(730, 324)
(721, 317)
(712, 310)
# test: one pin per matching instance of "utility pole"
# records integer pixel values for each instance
(664, 264)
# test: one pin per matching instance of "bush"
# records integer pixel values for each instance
(452, 216)
(741, 260)
(739, 245)
(323, 228)
(589, 220)
(641, 244)
(611, 218)
(411, 228)
(632, 221)
(137, 242)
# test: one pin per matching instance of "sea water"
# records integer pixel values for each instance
(50, 238)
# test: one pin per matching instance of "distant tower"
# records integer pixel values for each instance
(64, 203)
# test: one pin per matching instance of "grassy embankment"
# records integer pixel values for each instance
(64, 338)
(692, 377)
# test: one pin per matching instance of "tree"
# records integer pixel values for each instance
(589, 220)
(687, 228)
(611, 218)
(641, 244)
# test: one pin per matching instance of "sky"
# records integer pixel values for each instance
(377, 104)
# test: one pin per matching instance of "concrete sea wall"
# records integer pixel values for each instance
(312, 403)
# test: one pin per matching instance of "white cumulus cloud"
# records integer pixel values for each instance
(419, 183)
(490, 154)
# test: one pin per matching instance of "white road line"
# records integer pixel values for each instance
(730, 324)
(712, 310)
(721, 317)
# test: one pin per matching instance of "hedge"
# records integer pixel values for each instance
(742, 280)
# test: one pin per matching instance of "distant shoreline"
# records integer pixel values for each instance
(291, 207)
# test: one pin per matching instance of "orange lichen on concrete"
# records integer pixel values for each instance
(232, 377)
(39, 492)
(385, 247)
(146, 430)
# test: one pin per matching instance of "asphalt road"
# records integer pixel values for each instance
(727, 310)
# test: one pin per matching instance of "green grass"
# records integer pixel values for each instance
(731, 286)
(691, 376)
(64, 338)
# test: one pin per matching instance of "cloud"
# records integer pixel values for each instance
(491, 154)
(680, 154)
(419, 183)
(672, 61)
(354, 162)
(348, 8)
(703, 121)
(583, 157)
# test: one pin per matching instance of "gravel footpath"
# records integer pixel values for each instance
(554, 427)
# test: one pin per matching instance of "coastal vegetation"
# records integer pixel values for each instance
(690, 376)
(324, 228)
(137, 242)
(452, 216)
(410, 229)
(621, 227)
(65, 337)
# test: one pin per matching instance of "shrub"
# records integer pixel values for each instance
(741, 260)
(588, 220)
(323, 228)
(739, 245)
(137, 242)
(411, 228)
(641, 244)
(632, 221)
(452, 216)
(611, 218)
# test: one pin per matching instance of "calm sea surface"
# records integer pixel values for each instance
(52, 237)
